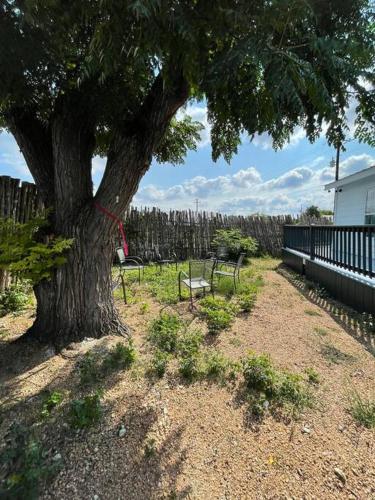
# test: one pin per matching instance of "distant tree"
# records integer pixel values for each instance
(312, 211)
(108, 76)
(325, 212)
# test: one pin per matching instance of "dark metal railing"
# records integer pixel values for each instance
(348, 247)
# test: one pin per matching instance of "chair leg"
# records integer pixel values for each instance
(179, 290)
(191, 299)
(123, 288)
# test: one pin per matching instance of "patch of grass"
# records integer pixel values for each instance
(163, 332)
(235, 341)
(159, 363)
(363, 410)
(312, 376)
(25, 465)
(322, 332)
(269, 388)
(335, 356)
(163, 286)
(52, 400)
(312, 312)
(86, 412)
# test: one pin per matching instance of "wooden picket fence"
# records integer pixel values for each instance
(18, 201)
(189, 234)
(150, 230)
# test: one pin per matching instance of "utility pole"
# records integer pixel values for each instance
(196, 204)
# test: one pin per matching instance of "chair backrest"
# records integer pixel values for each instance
(240, 260)
(222, 252)
(196, 269)
(121, 255)
(201, 269)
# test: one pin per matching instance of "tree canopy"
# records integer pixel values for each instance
(261, 66)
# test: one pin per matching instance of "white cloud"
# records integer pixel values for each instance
(264, 141)
(245, 192)
(199, 114)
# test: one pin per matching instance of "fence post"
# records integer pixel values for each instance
(312, 242)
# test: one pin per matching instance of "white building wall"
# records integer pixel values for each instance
(350, 202)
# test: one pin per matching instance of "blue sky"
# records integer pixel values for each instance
(258, 179)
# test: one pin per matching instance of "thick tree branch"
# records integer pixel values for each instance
(35, 142)
(131, 151)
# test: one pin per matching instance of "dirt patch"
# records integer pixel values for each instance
(196, 441)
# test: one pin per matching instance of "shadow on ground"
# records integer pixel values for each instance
(357, 325)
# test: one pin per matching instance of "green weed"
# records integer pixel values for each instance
(335, 356)
(25, 465)
(51, 401)
(363, 410)
(159, 362)
(86, 412)
(312, 376)
(120, 357)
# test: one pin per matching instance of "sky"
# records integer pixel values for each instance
(258, 179)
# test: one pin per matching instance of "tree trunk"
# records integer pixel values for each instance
(77, 301)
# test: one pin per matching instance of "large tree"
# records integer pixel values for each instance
(83, 77)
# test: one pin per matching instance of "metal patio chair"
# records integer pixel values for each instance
(130, 263)
(234, 267)
(165, 262)
(199, 278)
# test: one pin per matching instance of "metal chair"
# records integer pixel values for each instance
(165, 262)
(200, 277)
(130, 263)
(235, 269)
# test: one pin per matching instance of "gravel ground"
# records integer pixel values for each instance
(197, 441)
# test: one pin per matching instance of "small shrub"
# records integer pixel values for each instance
(189, 367)
(363, 411)
(90, 368)
(86, 412)
(163, 333)
(235, 242)
(97, 365)
(217, 365)
(246, 301)
(190, 343)
(218, 313)
(121, 356)
(51, 401)
(25, 464)
(13, 300)
(312, 376)
(159, 362)
(259, 374)
(293, 393)
(270, 388)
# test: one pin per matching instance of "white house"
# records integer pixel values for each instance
(354, 198)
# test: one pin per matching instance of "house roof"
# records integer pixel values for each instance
(358, 176)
